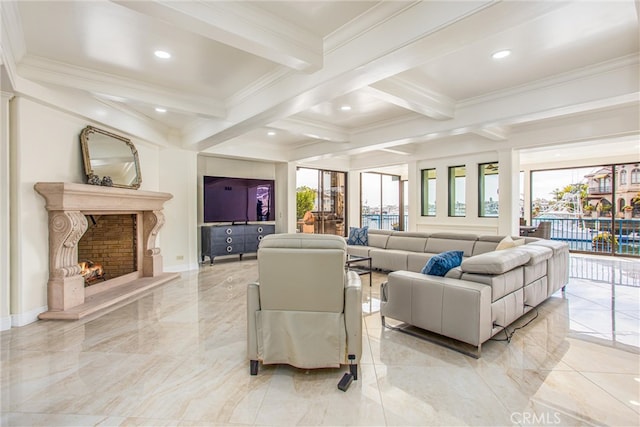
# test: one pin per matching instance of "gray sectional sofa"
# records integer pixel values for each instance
(472, 302)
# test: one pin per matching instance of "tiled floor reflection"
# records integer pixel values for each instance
(177, 357)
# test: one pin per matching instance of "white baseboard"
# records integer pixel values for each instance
(31, 316)
(5, 323)
(180, 268)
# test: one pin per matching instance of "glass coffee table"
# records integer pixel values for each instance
(359, 265)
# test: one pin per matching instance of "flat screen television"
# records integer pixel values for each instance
(238, 199)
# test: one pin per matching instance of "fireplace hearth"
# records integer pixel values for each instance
(69, 205)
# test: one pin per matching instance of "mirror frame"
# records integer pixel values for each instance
(84, 142)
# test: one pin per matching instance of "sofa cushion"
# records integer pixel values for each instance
(388, 259)
(416, 261)
(538, 253)
(497, 262)
(407, 242)
(439, 265)
(378, 238)
(358, 236)
(501, 284)
(360, 251)
(443, 242)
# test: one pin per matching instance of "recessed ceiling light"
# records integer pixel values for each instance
(271, 133)
(161, 110)
(162, 54)
(346, 108)
(501, 54)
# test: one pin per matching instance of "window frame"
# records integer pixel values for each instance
(424, 193)
(481, 189)
(451, 190)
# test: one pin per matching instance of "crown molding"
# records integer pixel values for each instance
(408, 95)
(556, 80)
(263, 83)
(382, 124)
(66, 75)
(367, 21)
(312, 129)
(12, 42)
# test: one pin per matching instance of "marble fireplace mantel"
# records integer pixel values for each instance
(67, 205)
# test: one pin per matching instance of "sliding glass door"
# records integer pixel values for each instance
(594, 209)
(321, 201)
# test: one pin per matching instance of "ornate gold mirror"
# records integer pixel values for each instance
(109, 159)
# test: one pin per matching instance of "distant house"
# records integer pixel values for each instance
(627, 187)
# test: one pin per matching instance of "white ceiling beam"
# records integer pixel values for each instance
(408, 39)
(601, 87)
(311, 129)
(494, 133)
(413, 97)
(128, 90)
(403, 152)
(242, 26)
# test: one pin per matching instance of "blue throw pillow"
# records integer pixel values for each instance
(358, 236)
(439, 264)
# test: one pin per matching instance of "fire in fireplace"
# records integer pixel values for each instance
(91, 272)
(108, 247)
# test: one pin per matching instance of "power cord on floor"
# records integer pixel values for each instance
(509, 334)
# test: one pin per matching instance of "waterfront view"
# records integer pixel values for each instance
(594, 209)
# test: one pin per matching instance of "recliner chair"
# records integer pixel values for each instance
(306, 309)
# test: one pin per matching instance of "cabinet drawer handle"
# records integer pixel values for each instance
(229, 240)
(229, 231)
(259, 229)
(229, 248)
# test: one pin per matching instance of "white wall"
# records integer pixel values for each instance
(178, 236)
(286, 197)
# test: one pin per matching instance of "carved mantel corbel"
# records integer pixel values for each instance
(152, 221)
(66, 285)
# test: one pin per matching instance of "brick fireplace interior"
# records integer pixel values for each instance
(109, 242)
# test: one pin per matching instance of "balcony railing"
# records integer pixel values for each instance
(579, 233)
(600, 189)
(384, 221)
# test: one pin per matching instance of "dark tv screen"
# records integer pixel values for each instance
(238, 199)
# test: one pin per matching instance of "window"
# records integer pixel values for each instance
(380, 201)
(457, 181)
(428, 192)
(635, 176)
(488, 191)
(320, 201)
(623, 177)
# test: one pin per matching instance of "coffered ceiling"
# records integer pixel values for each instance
(370, 82)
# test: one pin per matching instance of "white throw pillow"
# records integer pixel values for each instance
(508, 242)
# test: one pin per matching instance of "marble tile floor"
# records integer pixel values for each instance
(176, 357)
